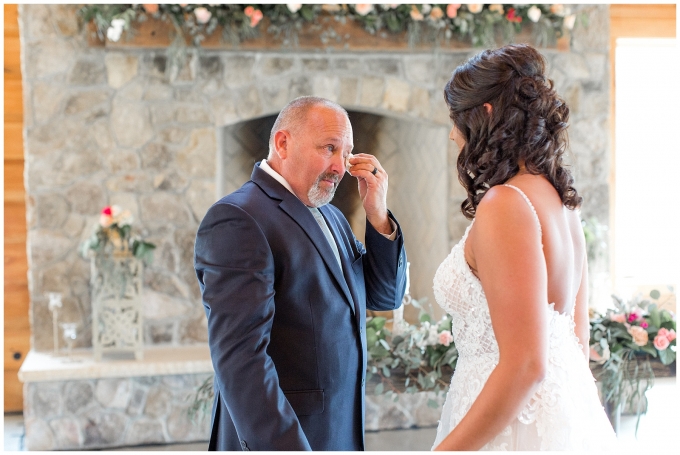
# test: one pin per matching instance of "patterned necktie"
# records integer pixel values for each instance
(327, 232)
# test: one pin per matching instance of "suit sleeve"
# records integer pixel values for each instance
(384, 269)
(235, 270)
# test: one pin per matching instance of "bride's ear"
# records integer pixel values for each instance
(488, 108)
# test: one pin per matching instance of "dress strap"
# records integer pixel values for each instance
(540, 231)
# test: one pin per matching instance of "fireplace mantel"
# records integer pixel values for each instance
(327, 34)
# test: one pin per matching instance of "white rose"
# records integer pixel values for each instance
(534, 13)
(115, 30)
(294, 7)
(425, 9)
(569, 21)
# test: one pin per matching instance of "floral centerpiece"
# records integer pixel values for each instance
(113, 235)
(623, 341)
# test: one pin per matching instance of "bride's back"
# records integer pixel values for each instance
(563, 240)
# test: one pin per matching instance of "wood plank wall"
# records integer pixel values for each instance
(630, 21)
(17, 329)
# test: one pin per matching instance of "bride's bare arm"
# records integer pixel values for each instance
(511, 266)
(581, 318)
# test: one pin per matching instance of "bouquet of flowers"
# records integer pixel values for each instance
(113, 235)
(423, 351)
(623, 341)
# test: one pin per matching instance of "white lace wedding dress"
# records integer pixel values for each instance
(565, 412)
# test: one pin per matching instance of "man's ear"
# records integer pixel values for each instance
(281, 138)
(488, 108)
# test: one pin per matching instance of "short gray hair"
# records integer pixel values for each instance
(293, 115)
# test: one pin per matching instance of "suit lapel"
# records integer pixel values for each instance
(346, 253)
(294, 208)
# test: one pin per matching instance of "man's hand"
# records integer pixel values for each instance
(372, 189)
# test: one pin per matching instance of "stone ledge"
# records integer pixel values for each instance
(158, 361)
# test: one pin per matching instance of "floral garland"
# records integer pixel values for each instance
(477, 23)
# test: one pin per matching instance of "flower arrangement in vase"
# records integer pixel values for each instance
(113, 235)
(622, 341)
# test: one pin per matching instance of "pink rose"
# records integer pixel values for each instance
(415, 14)
(618, 317)
(151, 9)
(640, 335)
(105, 220)
(452, 11)
(363, 9)
(256, 18)
(436, 13)
(475, 8)
(668, 334)
(661, 342)
(202, 15)
(445, 338)
(644, 324)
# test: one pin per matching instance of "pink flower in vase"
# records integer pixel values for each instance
(640, 335)
(106, 217)
(668, 334)
(661, 342)
(445, 338)
(618, 317)
(634, 315)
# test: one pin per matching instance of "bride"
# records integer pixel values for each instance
(516, 283)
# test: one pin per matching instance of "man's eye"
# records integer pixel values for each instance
(330, 148)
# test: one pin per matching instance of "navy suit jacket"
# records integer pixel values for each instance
(286, 325)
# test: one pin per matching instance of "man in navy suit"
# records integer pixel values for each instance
(286, 285)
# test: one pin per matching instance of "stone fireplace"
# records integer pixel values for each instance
(110, 126)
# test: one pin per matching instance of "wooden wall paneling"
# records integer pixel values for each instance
(16, 297)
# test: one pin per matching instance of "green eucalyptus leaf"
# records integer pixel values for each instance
(667, 356)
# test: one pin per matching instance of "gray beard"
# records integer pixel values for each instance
(318, 196)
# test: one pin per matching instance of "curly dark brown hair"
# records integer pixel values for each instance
(528, 121)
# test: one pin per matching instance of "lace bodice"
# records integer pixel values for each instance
(564, 413)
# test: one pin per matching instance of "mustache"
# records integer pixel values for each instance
(335, 178)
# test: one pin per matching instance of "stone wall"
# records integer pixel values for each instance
(111, 127)
(112, 412)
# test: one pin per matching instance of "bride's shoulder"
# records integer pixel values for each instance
(506, 208)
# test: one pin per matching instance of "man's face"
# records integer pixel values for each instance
(315, 161)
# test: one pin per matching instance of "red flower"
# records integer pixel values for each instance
(512, 17)
(107, 210)
(644, 324)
